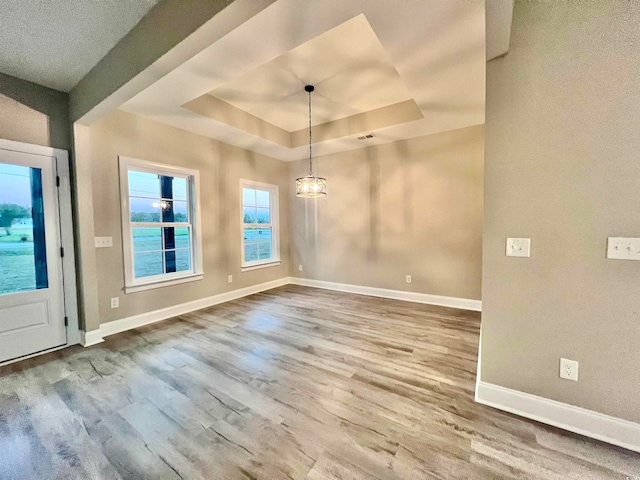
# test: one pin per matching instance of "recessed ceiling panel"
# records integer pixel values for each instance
(348, 66)
(398, 69)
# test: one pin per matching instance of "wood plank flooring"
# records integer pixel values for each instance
(293, 383)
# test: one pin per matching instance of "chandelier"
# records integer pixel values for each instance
(311, 186)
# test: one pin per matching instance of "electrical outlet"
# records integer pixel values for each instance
(299, 268)
(569, 369)
(115, 302)
(408, 279)
(518, 247)
(230, 278)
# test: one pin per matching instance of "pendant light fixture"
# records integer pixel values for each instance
(311, 186)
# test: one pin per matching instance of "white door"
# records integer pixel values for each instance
(32, 317)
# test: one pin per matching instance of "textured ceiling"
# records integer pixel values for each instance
(56, 42)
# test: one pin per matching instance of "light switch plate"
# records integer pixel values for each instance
(620, 248)
(104, 242)
(518, 247)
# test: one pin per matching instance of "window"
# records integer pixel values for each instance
(260, 238)
(160, 224)
(23, 257)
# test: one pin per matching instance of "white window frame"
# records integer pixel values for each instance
(133, 284)
(274, 202)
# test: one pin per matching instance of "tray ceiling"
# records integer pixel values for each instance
(397, 69)
(347, 61)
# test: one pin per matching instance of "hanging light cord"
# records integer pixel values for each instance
(310, 156)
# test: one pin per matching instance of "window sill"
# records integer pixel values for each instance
(163, 283)
(262, 265)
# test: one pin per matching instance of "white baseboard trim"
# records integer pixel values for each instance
(117, 326)
(124, 324)
(92, 337)
(568, 417)
(453, 302)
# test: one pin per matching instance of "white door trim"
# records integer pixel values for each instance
(66, 229)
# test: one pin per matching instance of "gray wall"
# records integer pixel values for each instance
(221, 166)
(562, 167)
(405, 208)
(31, 113)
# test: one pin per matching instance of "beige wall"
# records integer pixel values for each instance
(416, 208)
(412, 207)
(563, 167)
(34, 114)
(221, 166)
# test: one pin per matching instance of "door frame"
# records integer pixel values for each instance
(66, 232)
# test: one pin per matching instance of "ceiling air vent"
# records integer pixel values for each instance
(366, 137)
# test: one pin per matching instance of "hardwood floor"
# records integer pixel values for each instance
(291, 383)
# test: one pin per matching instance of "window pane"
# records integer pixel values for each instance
(251, 235)
(23, 259)
(180, 189)
(250, 252)
(183, 260)
(173, 211)
(183, 239)
(146, 239)
(264, 243)
(257, 244)
(263, 198)
(166, 211)
(177, 260)
(142, 184)
(144, 209)
(169, 261)
(263, 215)
(250, 244)
(248, 197)
(147, 264)
(250, 215)
(264, 252)
(169, 238)
(180, 212)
